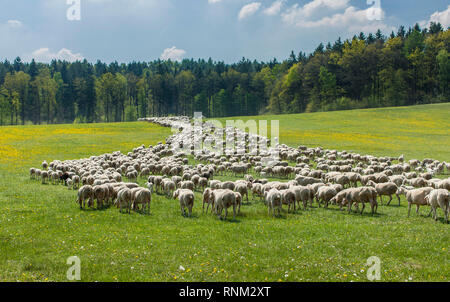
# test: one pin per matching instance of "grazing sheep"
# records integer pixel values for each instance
(417, 197)
(418, 182)
(242, 189)
(143, 197)
(85, 193)
(149, 186)
(303, 194)
(186, 198)
(169, 187)
(223, 199)
(288, 198)
(189, 185)
(228, 185)
(124, 199)
(325, 194)
(238, 201)
(257, 190)
(386, 189)
(439, 198)
(101, 193)
(69, 184)
(207, 199)
(75, 181)
(444, 184)
(44, 176)
(362, 195)
(273, 201)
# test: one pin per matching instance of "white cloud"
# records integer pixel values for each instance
(352, 19)
(173, 54)
(441, 17)
(44, 55)
(14, 23)
(249, 10)
(275, 8)
(214, 1)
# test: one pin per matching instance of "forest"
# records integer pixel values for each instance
(405, 68)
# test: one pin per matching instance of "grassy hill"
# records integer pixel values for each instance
(417, 131)
(41, 225)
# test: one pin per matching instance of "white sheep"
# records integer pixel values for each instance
(273, 201)
(186, 198)
(439, 198)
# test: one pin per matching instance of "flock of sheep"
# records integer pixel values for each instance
(310, 175)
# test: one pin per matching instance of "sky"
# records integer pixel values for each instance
(224, 30)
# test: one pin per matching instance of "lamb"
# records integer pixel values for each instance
(186, 198)
(417, 197)
(223, 199)
(273, 201)
(439, 198)
(85, 193)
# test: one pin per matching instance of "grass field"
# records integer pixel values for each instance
(41, 226)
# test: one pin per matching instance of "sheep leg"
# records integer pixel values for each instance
(417, 209)
(409, 208)
(363, 206)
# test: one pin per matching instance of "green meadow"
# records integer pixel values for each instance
(41, 225)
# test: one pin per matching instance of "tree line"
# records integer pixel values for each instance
(405, 68)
